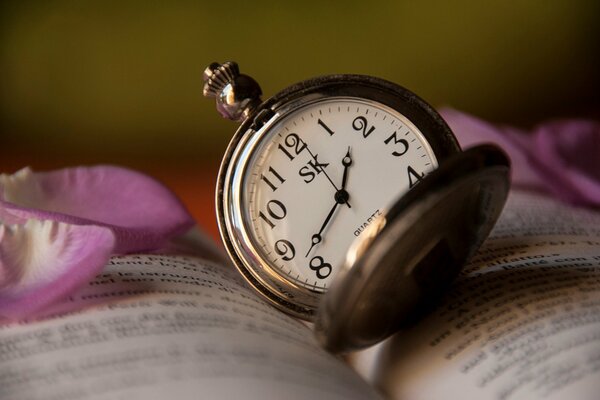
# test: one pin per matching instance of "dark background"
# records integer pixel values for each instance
(85, 82)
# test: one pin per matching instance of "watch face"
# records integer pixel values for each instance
(314, 179)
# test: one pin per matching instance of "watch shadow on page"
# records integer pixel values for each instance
(521, 328)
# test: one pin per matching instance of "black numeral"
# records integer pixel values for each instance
(328, 129)
(402, 142)
(294, 142)
(269, 182)
(276, 210)
(413, 174)
(361, 124)
(317, 264)
(285, 249)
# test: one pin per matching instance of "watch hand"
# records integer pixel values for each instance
(342, 196)
(317, 238)
(346, 162)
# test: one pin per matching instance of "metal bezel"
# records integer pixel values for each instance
(284, 294)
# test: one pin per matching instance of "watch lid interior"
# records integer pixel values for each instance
(402, 262)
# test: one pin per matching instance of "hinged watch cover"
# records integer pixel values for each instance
(402, 263)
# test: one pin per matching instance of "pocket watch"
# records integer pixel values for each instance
(346, 200)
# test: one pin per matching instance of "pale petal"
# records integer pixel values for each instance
(471, 131)
(561, 157)
(567, 154)
(43, 261)
(142, 212)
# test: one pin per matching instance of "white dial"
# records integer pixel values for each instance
(319, 176)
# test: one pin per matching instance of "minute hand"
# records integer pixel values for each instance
(317, 238)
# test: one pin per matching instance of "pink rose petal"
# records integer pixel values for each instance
(140, 211)
(561, 157)
(59, 228)
(567, 155)
(471, 131)
(43, 261)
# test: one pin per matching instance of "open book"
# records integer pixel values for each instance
(522, 322)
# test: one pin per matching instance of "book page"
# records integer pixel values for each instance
(522, 321)
(169, 327)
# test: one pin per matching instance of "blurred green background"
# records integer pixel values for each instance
(121, 81)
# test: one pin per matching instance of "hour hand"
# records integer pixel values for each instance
(346, 162)
(342, 196)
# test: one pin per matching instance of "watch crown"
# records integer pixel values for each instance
(217, 76)
(236, 94)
